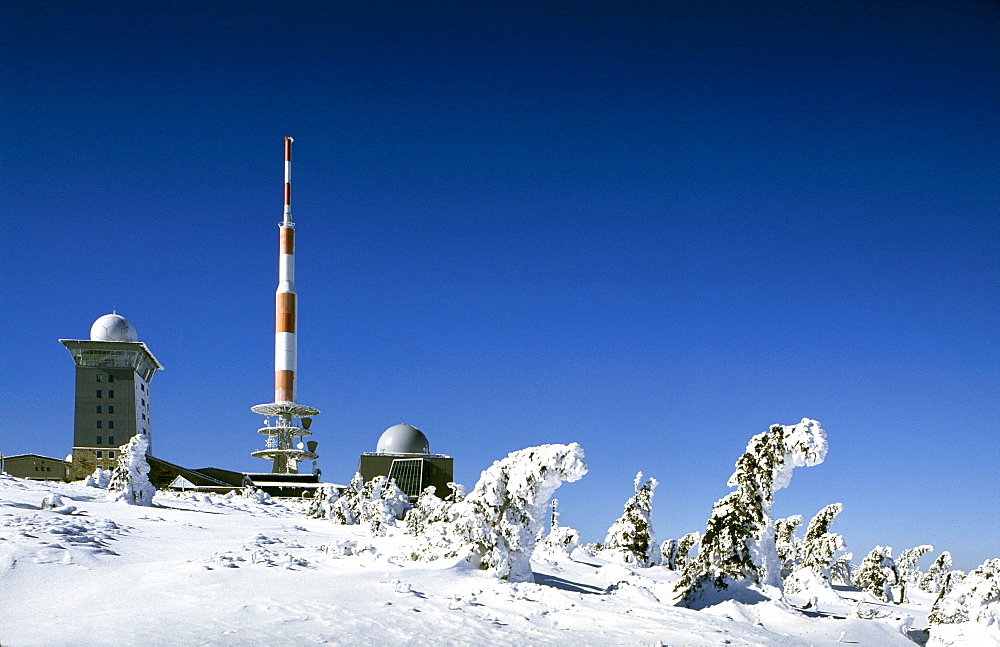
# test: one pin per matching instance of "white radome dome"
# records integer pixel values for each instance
(403, 439)
(113, 327)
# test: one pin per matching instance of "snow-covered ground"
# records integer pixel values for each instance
(205, 569)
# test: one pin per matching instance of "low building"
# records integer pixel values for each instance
(404, 454)
(36, 468)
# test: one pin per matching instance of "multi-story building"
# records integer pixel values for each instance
(113, 372)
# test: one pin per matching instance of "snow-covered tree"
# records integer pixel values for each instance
(976, 599)
(877, 573)
(427, 510)
(130, 479)
(738, 546)
(495, 526)
(906, 567)
(457, 492)
(685, 544)
(841, 570)
(321, 505)
(100, 478)
(346, 508)
(559, 539)
(668, 554)
(934, 580)
(820, 545)
(382, 504)
(786, 543)
(631, 537)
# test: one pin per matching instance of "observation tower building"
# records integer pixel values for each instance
(286, 422)
(113, 372)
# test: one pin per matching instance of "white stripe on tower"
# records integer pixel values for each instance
(284, 317)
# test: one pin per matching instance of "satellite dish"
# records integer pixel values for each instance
(300, 445)
(306, 423)
(312, 446)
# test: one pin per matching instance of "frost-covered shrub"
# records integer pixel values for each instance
(321, 504)
(786, 543)
(559, 539)
(976, 598)
(346, 509)
(841, 570)
(495, 526)
(687, 543)
(130, 479)
(934, 580)
(738, 546)
(820, 545)
(254, 494)
(631, 538)
(100, 478)
(382, 504)
(877, 573)
(906, 568)
(457, 492)
(427, 510)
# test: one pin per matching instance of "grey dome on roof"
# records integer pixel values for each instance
(113, 327)
(403, 439)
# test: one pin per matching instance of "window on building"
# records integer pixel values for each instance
(111, 378)
(111, 393)
(99, 424)
(100, 454)
(111, 408)
(111, 454)
(98, 408)
(99, 439)
(142, 386)
(100, 378)
(99, 393)
(111, 441)
(111, 424)
(144, 403)
(143, 416)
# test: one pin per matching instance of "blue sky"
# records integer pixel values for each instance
(651, 228)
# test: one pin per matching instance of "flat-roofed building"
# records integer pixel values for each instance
(36, 467)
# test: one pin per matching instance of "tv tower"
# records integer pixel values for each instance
(280, 425)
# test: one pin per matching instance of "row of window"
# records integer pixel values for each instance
(100, 377)
(111, 440)
(42, 469)
(100, 393)
(111, 408)
(111, 424)
(110, 454)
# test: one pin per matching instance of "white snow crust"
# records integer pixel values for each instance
(232, 570)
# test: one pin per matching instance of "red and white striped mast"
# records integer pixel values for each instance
(280, 448)
(285, 347)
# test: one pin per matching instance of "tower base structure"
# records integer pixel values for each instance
(283, 423)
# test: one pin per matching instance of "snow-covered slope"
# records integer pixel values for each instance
(200, 569)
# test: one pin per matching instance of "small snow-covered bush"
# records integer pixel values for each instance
(877, 573)
(934, 580)
(382, 504)
(321, 504)
(973, 602)
(906, 568)
(738, 546)
(820, 545)
(559, 539)
(495, 526)
(428, 509)
(130, 479)
(786, 543)
(631, 538)
(100, 478)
